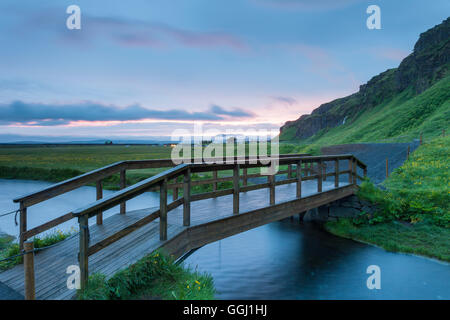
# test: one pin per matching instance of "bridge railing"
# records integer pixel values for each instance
(306, 168)
(94, 177)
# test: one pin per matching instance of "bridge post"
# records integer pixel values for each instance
(350, 169)
(175, 191)
(84, 247)
(236, 170)
(28, 266)
(319, 175)
(289, 171)
(244, 177)
(123, 185)
(336, 173)
(299, 179)
(214, 184)
(23, 224)
(324, 171)
(187, 197)
(355, 171)
(272, 188)
(163, 210)
(99, 189)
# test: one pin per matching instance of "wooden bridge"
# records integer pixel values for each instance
(183, 224)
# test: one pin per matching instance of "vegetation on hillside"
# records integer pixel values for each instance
(413, 211)
(400, 119)
(155, 276)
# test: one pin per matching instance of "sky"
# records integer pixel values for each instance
(141, 68)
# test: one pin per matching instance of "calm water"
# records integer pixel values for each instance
(289, 260)
(282, 260)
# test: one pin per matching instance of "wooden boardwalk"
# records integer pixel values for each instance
(51, 263)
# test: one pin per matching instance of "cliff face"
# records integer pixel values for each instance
(427, 64)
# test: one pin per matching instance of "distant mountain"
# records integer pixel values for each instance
(19, 139)
(397, 104)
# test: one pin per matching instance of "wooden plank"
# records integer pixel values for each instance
(48, 225)
(208, 195)
(122, 233)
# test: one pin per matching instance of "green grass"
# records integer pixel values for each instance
(58, 163)
(421, 238)
(155, 276)
(413, 213)
(9, 248)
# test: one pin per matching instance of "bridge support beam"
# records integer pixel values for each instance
(272, 188)
(123, 185)
(299, 179)
(319, 175)
(83, 257)
(163, 210)
(187, 198)
(336, 173)
(99, 189)
(236, 170)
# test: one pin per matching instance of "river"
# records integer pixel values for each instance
(281, 260)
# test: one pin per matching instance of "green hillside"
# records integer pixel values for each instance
(394, 106)
(401, 119)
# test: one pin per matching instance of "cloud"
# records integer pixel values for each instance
(308, 4)
(122, 31)
(236, 113)
(286, 100)
(37, 114)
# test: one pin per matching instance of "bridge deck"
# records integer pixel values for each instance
(51, 264)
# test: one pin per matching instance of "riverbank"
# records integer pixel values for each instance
(413, 213)
(153, 277)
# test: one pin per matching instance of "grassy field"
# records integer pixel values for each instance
(58, 163)
(414, 211)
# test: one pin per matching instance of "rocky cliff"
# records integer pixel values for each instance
(428, 63)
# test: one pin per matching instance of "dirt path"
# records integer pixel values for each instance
(374, 155)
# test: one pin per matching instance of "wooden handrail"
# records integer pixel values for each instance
(130, 192)
(69, 185)
(100, 173)
(144, 185)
